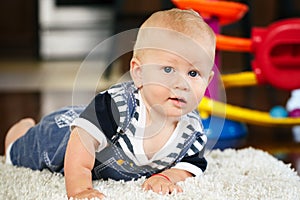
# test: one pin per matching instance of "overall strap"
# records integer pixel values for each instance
(107, 114)
(118, 106)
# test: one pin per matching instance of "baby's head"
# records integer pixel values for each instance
(186, 23)
(173, 59)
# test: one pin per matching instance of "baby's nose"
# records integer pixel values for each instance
(180, 82)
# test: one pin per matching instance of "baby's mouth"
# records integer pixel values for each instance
(178, 100)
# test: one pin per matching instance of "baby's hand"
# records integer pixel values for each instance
(89, 194)
(161, 185)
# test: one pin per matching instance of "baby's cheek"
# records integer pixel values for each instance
(198, 94)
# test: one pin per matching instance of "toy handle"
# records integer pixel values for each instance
(229, 43)
(240, 114)
(239, 79)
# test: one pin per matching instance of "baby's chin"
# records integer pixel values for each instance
(176, 113)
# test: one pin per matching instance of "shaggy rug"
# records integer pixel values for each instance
(231, 174)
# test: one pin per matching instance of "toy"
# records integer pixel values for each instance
(276, 52)
(244, 115)
(226, 12)
(293, 107)
(295, 113)
(232, 133)
(293, 104)
(278, 112)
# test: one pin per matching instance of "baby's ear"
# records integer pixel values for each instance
(211, 75)
(136, 72)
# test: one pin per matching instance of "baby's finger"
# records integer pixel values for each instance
(146, 186)
(92, 193)
(177, 188)
(167, 188)
(170, 188)
(156, 188)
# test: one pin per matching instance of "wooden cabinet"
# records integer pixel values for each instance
(15, 106)
(18, 29)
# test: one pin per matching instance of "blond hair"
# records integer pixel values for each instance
(187, 22)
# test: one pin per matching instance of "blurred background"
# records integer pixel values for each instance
(43, 43)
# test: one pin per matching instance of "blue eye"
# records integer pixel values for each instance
(193, 73)
(168, 69)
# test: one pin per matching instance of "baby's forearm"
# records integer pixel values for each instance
(176, 175)
(78, 165)
(78, 182)
(79, 185)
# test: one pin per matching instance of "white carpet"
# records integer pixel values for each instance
(243, 174)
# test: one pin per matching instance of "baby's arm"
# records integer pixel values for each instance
(79, 162)
(165, 182)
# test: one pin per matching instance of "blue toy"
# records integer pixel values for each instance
(279, 112)
(224, 133)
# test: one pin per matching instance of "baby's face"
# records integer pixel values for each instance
(170, 84)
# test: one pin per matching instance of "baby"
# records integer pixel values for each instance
(147, 127)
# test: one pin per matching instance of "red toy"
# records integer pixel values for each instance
(277, 54)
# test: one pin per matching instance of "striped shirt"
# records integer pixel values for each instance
(183, 150)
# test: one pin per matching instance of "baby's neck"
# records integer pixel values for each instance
(157, 122)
